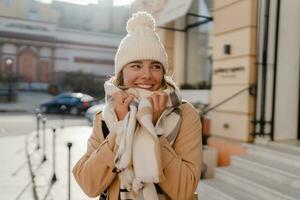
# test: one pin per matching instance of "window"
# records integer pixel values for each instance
(7, 2)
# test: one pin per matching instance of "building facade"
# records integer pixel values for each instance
(264, 56)
(255, 60)
(38, 40)
(234, 68)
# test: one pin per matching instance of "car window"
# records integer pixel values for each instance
(62, 96)
(65, 100)
(74, 99)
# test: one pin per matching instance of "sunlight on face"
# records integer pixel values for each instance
(122, 2)
(145, 74)
(86, 2)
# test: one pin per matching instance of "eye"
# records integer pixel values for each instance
(135, 67)
(156, 67)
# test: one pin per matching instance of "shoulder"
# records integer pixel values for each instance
(190, 129)
(188, 109)
(99, 115)
(97, 121)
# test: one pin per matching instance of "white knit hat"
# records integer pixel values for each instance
(141, 42)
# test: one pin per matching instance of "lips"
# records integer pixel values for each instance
(144, 86)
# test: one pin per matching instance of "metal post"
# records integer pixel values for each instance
(186, 50)
(63, 110)
(69, 170)
(203, 134)
(9, 63)
(54, 178)
(38, 117)
(264, 69)
(275, 68)
(44, 120)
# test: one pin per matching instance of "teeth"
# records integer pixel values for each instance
(144, 86)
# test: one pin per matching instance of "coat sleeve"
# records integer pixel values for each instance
(181, 164)
(94, 171)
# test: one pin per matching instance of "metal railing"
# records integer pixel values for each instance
(252, 91)
(35, 147)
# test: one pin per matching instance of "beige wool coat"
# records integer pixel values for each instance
(181, 162)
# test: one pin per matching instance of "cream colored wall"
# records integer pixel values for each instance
(179, 52)
(47, 13)
(174, 42)
(15, 9)
(234, 24)
(235, 14)
(218, 4)
(169, 45)
(167, 38)
(20, 9)
(288, 70)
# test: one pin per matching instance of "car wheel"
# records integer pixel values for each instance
(44, 109)
(74, 111)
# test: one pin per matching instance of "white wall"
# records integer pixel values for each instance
(9, 49)
(287, 91)
(95, 46)
(196, 96)
(45, 52)
(179, 52)
(70, 35)
(66, 60)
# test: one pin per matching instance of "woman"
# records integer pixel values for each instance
(153, 147)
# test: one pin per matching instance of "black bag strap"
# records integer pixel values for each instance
(103, 196)
(105, 131)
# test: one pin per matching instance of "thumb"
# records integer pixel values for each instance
(128, 101)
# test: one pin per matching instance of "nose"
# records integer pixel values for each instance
(146, 73)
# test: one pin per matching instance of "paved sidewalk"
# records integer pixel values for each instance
(15, 173)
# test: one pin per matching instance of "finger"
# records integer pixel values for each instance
(117, 97)
(121, 97)
(124, 95)
(151, 101)
(162, 100)
(155, 102)
(127, 101)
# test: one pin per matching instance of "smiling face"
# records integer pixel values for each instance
(145, 74)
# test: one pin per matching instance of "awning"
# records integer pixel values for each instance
(173, 10)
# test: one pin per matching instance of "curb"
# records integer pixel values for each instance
(13, 111)
(31, 171)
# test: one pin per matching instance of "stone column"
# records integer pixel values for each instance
(234, 54)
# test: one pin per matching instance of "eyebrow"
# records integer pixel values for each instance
(136, 61)
(155, 62)
(140, 62)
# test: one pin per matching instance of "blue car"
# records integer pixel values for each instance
(73, 103)
(90, 113)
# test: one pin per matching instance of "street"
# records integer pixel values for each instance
(13, 124)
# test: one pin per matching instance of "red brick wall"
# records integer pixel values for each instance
(28, 65)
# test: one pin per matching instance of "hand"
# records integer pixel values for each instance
(158, 101)
(121, 104)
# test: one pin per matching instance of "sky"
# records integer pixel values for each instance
(85, 2)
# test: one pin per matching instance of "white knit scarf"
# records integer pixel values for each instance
(137, 158)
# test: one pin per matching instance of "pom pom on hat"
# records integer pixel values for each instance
(141, 43)
(140, 19)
